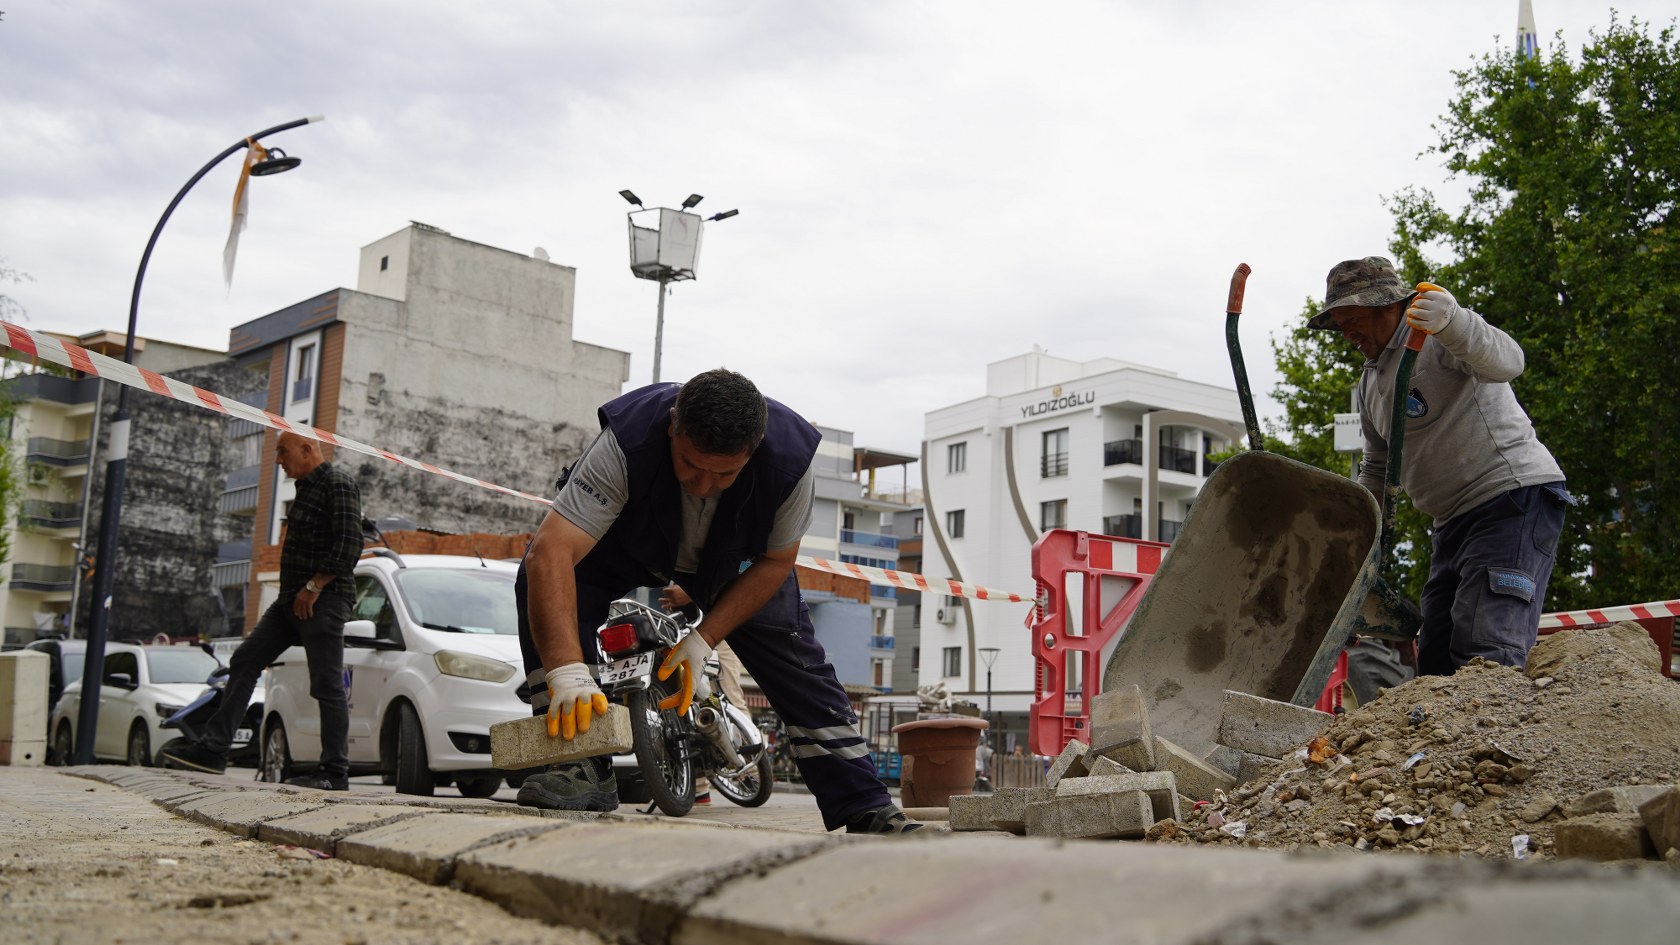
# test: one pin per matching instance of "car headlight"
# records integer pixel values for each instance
(451, 663)
(165, 710)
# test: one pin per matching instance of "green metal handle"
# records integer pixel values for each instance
(1233, 310)
(1397, 434)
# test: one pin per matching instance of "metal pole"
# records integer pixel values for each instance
(87, 500)
(116, 463)
(659, 331)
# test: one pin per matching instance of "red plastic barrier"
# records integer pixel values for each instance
(1331, 700)
(1115, 572)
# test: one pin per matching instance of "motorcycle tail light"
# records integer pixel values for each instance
(618, 640)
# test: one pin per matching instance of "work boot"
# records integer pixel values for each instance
(194, 757)
(885, 819)
(320, 782)
(576, 785)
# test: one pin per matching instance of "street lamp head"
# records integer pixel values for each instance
(691, 201)
(277, 162)
(989, 654)
(631, 198)
(720, 216)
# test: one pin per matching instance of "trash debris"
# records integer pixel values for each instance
(165, 861)
(1519, 846)
(1412, 761)
(1417, 716)
(1318, 750)
(1237, 829)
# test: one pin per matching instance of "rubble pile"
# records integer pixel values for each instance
(1577, 756)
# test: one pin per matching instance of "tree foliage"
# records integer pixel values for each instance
(1567, 240)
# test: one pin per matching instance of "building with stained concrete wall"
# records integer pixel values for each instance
(1102, 446)
(447, 351)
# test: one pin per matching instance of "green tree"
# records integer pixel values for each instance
(11, 482)
(1568, 242)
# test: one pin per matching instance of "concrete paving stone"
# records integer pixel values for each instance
(241, 812)
(322, 829)
(630, 883)
(1004, 809)
(1126, 814)
(1249, 765)
(1120, 728)
(1228, 760)
(1662, 819)
(427, 847)
(1069, 764)
(1100, 767)
(1006, 891)
(1160, 786)
(1267, 726)
(525, 743)
(1196, 778)
(1604, 837)
(1623, 799)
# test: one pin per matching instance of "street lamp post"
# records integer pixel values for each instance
(989, 654)
(665, 252)
(116, 453)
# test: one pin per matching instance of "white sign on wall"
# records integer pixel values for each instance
(1349, 439)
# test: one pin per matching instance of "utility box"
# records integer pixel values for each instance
(23, 707)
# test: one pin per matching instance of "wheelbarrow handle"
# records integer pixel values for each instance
(1239, 282)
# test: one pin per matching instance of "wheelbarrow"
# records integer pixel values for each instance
(1276, 566)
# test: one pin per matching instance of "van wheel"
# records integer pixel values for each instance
(139, 745)
(275, 765)
(413, 777)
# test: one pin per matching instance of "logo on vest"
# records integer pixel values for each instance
(1416, 406)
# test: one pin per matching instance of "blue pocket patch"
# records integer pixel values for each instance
(1511, 582)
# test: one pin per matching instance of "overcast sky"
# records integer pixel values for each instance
(924, 187)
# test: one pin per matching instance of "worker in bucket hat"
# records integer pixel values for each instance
(1472, 460)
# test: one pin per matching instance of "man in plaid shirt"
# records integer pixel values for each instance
(322, 544)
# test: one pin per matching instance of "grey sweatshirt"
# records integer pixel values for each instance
(1467, 438)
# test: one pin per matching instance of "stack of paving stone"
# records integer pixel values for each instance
(1633, 822)
(1127, 778)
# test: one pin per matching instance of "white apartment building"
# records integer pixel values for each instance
(1103, 446)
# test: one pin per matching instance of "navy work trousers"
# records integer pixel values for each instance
(1487, 579)
(779, 648)
(322, 639)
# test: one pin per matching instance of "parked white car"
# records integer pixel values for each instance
(142, 686)
(431, 661)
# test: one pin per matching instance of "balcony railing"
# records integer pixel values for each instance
(45, 449)
(868, 539)
(1053, 464)
(301, 388)
(881, 642)
(1116, 452)
(1170, 529)
(1178, 459)
(1208, 466)
(44, 514)
(43, 577)
(1123, 526)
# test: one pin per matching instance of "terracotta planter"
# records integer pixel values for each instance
(938, 759)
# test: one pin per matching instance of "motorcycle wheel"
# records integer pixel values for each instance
(667, 769)
(413, 777)
(275, 764)
(139, 745)
(751, 789)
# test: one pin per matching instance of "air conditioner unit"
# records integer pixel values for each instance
(946, 615)
(38, 475)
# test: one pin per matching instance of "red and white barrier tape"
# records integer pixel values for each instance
(1588, 618)
(47, 348)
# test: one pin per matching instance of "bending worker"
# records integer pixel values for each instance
(709, 485)
(1472, 461)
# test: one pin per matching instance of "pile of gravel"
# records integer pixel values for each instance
(1481, 763)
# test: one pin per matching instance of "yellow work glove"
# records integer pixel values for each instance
(1432, 310)
(573, 701)
(689, 655)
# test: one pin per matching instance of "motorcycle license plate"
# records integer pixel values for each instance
(242, 736)
(628, 668)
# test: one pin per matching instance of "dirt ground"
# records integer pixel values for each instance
(124, 870)
(1482, 763)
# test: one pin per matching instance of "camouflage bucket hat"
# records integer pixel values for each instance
(1369, 283)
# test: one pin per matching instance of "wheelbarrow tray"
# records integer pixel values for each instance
(1258, 594)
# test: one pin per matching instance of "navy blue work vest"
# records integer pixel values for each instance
(640, 548)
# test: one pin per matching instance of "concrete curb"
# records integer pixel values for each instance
(690, 883)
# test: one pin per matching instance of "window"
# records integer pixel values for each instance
(384, 263)
(956, 457)
(374, 603)
(247, 450)
(878, 672)
(954, 523)
(953, 661)
(1052, 514)
(915, 659)
(1055, 462)
(304, 381)
(916, 526)
(124, 663)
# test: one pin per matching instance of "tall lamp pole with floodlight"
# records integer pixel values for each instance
(666, 251)
(116, 453)
(989, 655)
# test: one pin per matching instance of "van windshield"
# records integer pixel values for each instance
(466, 600)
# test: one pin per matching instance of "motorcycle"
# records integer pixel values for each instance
(190, 720)
(714, 739)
